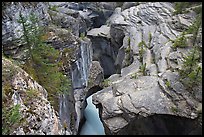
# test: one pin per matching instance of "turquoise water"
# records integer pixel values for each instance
(93, 124)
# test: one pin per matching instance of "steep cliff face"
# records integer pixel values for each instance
(103, 51)
(149, 91)
(36, 115)
(66, 24)
(60, 38)
(136, 45)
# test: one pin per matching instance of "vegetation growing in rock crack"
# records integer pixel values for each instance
(150, 39)
(54, 7)
(128, 54)
(143, 69)
(194, 28)
(44, 63)
(180, 7)
(11, 118)
(134, 76)
(180, 42)
(106, 83)
(82, 36)
(191, 71)
(174, 109)
(168, 84)
(141, 46)
(127, 50)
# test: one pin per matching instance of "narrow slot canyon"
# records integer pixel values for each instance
(102, 68)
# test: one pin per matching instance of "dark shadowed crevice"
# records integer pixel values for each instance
(160, 125)
(93, 90)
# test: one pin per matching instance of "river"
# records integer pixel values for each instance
(93, 124)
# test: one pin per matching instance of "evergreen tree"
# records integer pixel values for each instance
(191, 72)
(43, 63)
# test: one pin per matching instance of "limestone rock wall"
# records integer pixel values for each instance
(140, 102)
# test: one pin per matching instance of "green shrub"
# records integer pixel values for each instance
(32, 33)
(128, 49)
(128, 41)
(128, 53)
(82, 36)
(134, 76)
(141, 46)
(174, 109)
(194, 28)
(44, 64)
(106, 83)
(198, 10)
(180, 42)
(180, 7)
(47, 70)
(191, 72)
(150, 38)
(10, 119)
(143, 69)
(54, 7)
(31, 93)
(168, 84)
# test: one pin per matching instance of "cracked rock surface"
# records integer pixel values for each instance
(138, 104)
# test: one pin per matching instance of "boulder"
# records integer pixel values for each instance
(133, 103)
(96, 76)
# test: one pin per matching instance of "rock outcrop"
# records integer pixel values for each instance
(37, 115)
(64, 22)
(130, 42)
(62, 31)
(148, 97)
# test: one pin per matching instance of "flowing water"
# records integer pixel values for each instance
(93, 124)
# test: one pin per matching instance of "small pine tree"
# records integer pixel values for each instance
(32, 33)
(191, 72)
(194, 28)
(44, 62)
